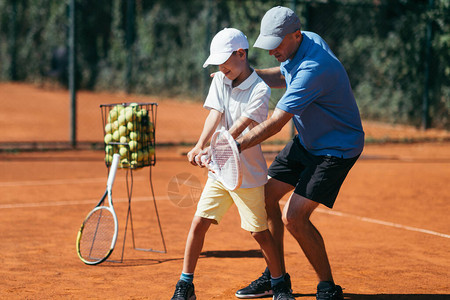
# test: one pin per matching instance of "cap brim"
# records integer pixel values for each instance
(217, 59)
(268, 42)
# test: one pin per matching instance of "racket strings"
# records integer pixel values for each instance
(225, 160)
(98, 233)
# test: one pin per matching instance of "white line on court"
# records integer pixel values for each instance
(59, 181)
(77, 202)
(379, 222)
(142, 199)
(375, 221)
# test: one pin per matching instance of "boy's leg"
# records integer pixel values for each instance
(194, 243)
(252, 209)
(270, 252)
(184, 290)
(213, 204)
(280, 288)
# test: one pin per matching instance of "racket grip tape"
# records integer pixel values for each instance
(113, 170)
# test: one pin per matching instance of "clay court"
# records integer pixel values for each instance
(388, 236)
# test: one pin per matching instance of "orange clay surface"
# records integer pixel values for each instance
(388, 236)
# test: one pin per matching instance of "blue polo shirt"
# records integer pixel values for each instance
(319, 94)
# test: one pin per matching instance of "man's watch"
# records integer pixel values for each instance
(238, 146)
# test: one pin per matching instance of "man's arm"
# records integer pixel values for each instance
(272, 77)
(239, 126)
(265, 129)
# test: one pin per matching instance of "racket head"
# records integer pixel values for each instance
(226, 160)
(97, 236)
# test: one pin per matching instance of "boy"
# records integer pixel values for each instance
(237, 99)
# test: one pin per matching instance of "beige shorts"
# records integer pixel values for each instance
(216, 200)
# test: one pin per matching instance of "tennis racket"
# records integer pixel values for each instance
(225, 160)
(98, 233)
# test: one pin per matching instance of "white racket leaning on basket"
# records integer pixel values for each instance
(224, 159)
(98, 233)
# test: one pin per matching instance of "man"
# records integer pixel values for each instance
(315, 163)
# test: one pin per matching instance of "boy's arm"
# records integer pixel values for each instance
(211, 123)
(272, 77)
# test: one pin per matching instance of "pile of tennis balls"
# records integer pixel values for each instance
(129, 132)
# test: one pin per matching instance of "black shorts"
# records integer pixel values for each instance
(318, 178)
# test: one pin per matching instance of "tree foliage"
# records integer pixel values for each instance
(382, 44)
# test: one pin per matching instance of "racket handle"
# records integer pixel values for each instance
(211, 164)
(113, 170)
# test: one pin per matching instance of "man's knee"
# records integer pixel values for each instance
(297, 212)
(294, 221)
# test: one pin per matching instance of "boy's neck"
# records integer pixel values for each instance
(243, 76)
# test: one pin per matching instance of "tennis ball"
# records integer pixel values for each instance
(108, 158)
(108, 128)
(135, 135)
(133, 145)
(130, 126)
(119, 107)
(116, 135)
(130, 116)
(113, 114)
(124, 163)
(134, 156)
(122, 120)
(124, 139)
(134, 164)
(108, 138)
(115, 125)
(123, 152)
(139, 115)
(109, 149)
(123, 130)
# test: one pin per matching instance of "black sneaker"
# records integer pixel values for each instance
(184, 291)
(261, 287)
(281, 291)
(329, 292)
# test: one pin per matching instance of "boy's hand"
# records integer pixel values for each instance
(192, 154)
(205, 153)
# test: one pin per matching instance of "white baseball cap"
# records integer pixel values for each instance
(275, 25)
(224, 43)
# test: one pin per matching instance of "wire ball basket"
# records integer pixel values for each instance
(129, 130)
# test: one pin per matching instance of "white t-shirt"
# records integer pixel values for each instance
(249, 99)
